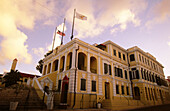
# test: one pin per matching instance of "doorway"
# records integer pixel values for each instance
(137, 93)
(107, 90)
(64, 90)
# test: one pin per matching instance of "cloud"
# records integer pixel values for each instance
(160, 13)
(16, 15)
(102, 15)
(169, 43)
(39, 51)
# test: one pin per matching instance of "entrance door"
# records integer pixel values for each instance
(137, 93)
(64, 90)
(107, 90)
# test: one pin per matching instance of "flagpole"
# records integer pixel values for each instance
(54, 38)
(73, 24)
(63, 32)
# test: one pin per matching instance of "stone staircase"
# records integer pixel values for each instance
(27, 98)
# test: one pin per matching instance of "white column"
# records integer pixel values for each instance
(111, 52)
(100, 88)
(130, 87)
(73, 58)
(112, 69)
(88, 62)
(59, 64)
(88, 83)
(99, 71)
(65, 61)
(43, 73)
(114, 87)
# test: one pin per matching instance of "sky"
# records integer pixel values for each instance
(27, 28)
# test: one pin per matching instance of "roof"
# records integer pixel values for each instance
(28, 75)
(168, 80)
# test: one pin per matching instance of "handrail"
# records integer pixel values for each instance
(101, 99)
(125, 98)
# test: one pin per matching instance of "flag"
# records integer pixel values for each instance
(60, 33)
(80, 16)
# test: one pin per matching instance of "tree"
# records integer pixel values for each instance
(39, 67)
(11, 78)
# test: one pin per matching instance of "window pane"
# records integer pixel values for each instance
(110, 71)
(94, 86)
(114, 51)
(119, 55)
(127, 90)
(123, 90)
(83, 84)
(117, 89)
(105, 68)
(132, 57)
(124, 57)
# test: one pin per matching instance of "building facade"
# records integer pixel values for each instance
(82, 75)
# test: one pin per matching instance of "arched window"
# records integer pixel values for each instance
(55, 65)
(69, 60)
(82, 61)
(93, 65)
(49, 68)
(62, 63)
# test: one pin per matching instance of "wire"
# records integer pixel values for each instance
(48, 9)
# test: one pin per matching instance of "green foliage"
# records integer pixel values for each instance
(11, 78)
(39, 67)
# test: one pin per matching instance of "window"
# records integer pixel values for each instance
(114, 52)
(107, 68)
(119, 55)
(116, 73)
(94, 86)
(142, 59)
(127, 90)
(146, 93)
(139, 57)
(142, 73)
(59, 85)
(124, 57)
(56, 65)
(110, 70)
(25, 80)
(117, 89)
(83, 84)
(132, 57)
(120, 73)
(137, 74)
(126, 75)
(122, 89)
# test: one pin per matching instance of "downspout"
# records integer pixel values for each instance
(129, 77)
(75, 78)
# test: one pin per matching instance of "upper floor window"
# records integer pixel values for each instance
(132, 57)
(114, 52)
(119, 55)
(107, 69)
(139, 57)
(124, 57)
(126, 75)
